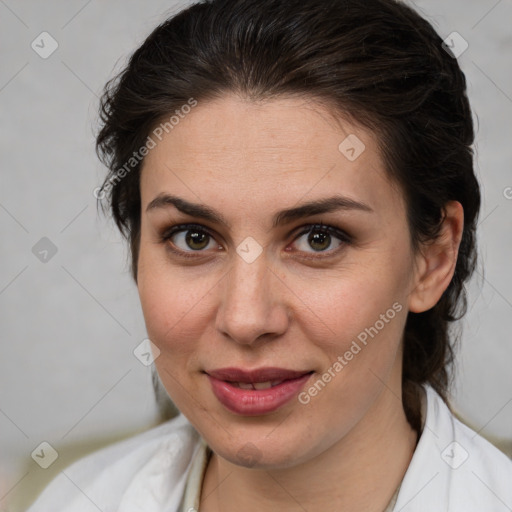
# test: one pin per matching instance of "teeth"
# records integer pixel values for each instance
(244, 385)
(262, 385)
(257, 385)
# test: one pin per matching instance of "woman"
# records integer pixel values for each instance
(296, 183)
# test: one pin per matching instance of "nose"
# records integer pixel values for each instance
(252, 306)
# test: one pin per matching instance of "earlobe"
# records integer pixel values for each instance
(436, 261)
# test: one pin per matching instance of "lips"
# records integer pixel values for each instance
(254, 392)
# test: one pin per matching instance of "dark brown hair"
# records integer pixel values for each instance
(378, 62)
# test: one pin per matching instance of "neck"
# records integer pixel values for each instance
(360, 472)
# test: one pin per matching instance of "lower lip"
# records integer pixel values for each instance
(253, 402)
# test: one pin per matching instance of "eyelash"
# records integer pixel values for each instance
(344, 238)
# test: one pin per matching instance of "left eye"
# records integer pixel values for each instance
(320, 238)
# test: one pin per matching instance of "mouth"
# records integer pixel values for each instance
(256, 392)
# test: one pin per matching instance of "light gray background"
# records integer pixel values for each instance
(67, 372)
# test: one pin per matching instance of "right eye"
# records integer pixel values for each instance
(185, 239)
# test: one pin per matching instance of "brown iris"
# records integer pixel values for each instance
(319, 237)
(196, 237)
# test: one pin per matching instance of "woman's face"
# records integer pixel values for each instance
(253, 284)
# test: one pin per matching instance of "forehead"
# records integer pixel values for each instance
(281, 150)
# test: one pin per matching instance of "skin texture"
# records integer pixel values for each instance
(349, 447)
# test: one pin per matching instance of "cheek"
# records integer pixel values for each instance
(356, 323)
(364, 330)
(347, 303)
(365, 319)
(171, 306)
(168, 301)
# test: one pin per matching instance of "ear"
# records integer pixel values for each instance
(436, 260)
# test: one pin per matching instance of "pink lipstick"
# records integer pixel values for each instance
(255, 392)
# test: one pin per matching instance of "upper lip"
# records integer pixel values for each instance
(256, 375)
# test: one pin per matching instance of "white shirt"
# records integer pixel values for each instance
(453, 469)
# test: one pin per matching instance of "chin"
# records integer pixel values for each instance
(260, 452)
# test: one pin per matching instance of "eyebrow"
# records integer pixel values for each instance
(326, 205)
